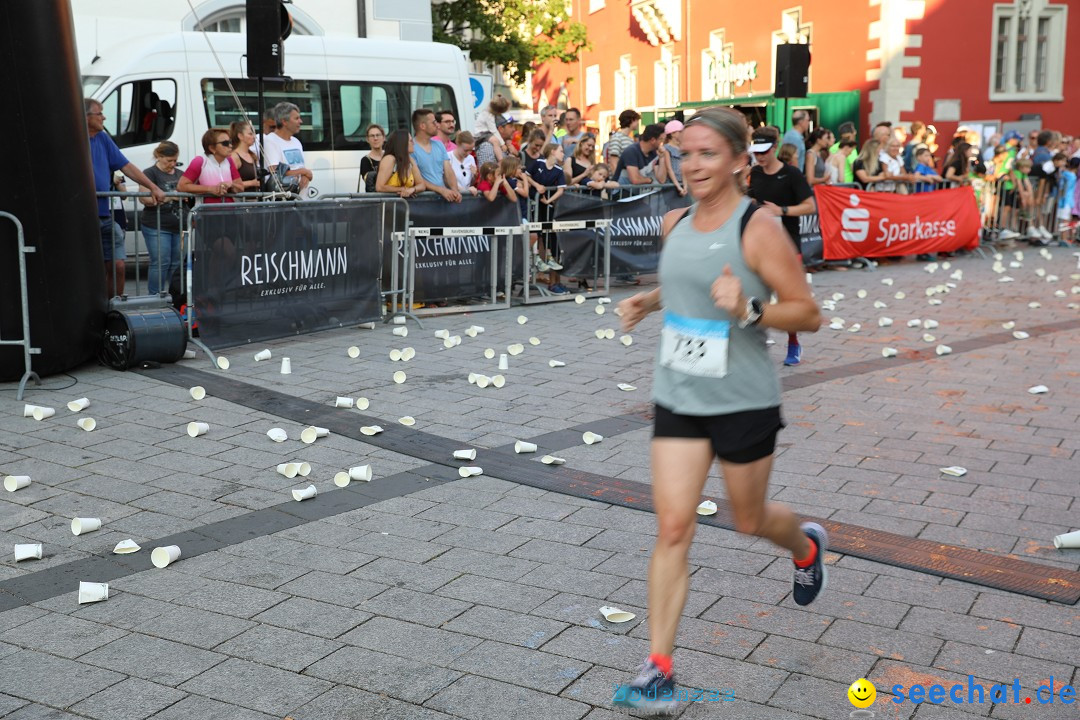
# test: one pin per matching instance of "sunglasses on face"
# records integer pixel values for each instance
(226, 143)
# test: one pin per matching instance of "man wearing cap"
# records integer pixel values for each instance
(783, 191)
(640, 164)
(491, 148)
(800, 125)
(847, 132)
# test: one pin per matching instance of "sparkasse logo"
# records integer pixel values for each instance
(854, 221)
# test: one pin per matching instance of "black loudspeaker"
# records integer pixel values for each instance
(137, 336)
(268, 24)
(792, 70)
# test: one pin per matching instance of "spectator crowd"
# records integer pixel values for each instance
(1026, 187)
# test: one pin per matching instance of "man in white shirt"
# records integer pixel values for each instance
(283, 147)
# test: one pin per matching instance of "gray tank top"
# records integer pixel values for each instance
(706, 363)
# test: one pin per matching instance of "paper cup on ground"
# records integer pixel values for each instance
(884, 322)
(627, 340)
(307, 493)
(40, 413)
(90, 592)
(77, 405)
(165, 555)
(286, 366)
(362, 403)
(16, 482)
(342, 479)
(470, 331)
(522, 319)
(407, 421)
(498, 381)
(954, 471)
(591, 438)
(708, 507)
(361, 473)
(482, 381)
(599, 310)
(579, 299)
(399, 320)
(489, 353)
(626, 387)
(126, 547)
(343, 402)
(1018, 334)
(189, 354)
(524, 447)
(534, 341)
(395, 355)
(277, 434)
(552, 460)
(1068, 540)
(262, 355)
(81, 526)
(401, 331)
(289, 469)
(442, 334)
(87, 423)
(353, 352)
(399, 377)
(30, 551)
(470, 471)
(469, 454)
(223, 362)
(556, 363)
(303, 469)
(609, 333)
(28, 410)
(615, 615)
(371, 429)
(515, 349)
(407, 354)
(195, 429)
(1038, 390)
(504, 362)
(599, 334)
(472, 378)
(197, 393)
(943, 349)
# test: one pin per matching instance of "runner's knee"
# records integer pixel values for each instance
(675, 531)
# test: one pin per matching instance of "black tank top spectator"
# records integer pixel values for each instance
(243, 140)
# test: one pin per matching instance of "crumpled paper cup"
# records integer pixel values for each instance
(307, 493)
(707, 507)
(615, 615)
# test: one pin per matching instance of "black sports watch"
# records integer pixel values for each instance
(783, 210)
(754, 309)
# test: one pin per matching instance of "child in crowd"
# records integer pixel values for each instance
(489, 181)
(837, 161)
(547, 174)
(924, 166)
(1066, 189)
(599, 180)
(789, 155)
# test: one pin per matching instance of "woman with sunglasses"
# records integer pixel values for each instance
(214, 173)
(716, 393)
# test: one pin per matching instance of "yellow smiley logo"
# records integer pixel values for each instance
(862, 693)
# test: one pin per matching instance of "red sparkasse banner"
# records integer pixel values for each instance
(878, 224)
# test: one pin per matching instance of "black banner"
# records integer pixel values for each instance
(450, 267)
(636, 222)
(810, 242)
(268, 270)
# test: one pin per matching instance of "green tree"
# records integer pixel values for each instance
(513, 33)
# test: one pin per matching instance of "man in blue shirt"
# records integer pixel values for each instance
(106, 159)
(800, 125)
(432, 158)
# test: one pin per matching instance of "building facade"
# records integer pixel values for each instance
(997, 66)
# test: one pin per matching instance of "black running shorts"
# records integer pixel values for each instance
(740, 437)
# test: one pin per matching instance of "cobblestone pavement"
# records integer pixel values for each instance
(422, 595)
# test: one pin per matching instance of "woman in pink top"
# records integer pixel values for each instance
(213, 174)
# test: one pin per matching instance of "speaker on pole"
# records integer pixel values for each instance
(792, 70)
(268, 24)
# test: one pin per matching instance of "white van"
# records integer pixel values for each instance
(170, 87)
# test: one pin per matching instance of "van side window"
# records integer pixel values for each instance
(308, 95)
(359, 104)
(141, 112)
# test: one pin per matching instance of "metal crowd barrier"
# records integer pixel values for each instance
(28, 348)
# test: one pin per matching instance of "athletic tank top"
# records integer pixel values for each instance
(246, 170)
(706, 364)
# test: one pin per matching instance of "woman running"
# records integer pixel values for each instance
(716, 392)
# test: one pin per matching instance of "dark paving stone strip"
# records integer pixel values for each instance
(801, 380)
(65, 578)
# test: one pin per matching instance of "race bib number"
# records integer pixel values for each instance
(694, 346)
